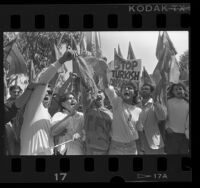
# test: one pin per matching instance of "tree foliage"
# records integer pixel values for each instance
(38, 46)
(184, 60)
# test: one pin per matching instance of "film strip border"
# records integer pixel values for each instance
(95, 17)
(97, 169)
(130, 17)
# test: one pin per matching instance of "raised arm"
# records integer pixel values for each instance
(23, 99)
(160, 111)
(109, 90)
(37, 96)
(53, 68)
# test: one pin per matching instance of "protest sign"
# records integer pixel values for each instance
(123, 70)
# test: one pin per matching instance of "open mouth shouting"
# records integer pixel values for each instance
(127, 94)
(73, 103)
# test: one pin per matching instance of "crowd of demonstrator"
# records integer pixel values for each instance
(134, 124)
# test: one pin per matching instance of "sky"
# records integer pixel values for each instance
(143, 44)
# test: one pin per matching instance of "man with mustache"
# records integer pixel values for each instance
(152, 113)
(125, 117)
(177, 125)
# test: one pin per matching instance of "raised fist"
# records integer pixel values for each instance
(67, 56)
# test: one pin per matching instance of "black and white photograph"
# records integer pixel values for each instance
(96, 93)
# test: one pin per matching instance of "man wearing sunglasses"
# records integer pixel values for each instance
(35, 132)
(47, 98)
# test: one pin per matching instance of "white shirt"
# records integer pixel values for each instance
(125, 118)
(74, 124)
(35, 132)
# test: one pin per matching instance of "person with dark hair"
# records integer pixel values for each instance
(35, 136)
(177, 125)
(68, 125)
(125, 117)
(12, 131)
(152, 113)
(10, 109)
(15, 91)
(98, 120)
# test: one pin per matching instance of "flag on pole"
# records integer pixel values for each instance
(74, 44)
(167, 61)
(167, 41)
(83, 45)
(8, 47)
(116, 59)
(93, 43)
(167, 68)
(15, 59)
(86, 74)
(131, 54)
(119, 51)
(159, 47)
(174, 74)
(146, 79)
(57, 54)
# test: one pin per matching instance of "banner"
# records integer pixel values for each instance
(124, 71)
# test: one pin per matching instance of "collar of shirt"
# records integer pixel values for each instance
(148, 103)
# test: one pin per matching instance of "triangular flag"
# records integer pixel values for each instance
(74, 45)
(146, 79)
(116, 59)
(167, 67)
(93, 44)
(174, 71)
(119, 51)
(17, 64)
(58, 54)
(131, 54)
(167, 42)
(83, 45)
(159, 47)
(98, 45)
(8, 46)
